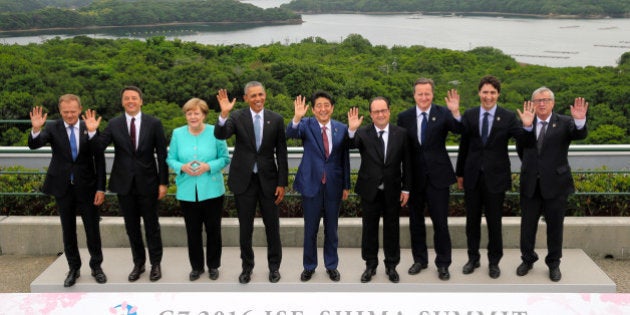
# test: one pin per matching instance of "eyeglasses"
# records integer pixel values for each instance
(543, 100)
(379, 112)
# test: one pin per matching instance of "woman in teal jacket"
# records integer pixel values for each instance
(198, 158)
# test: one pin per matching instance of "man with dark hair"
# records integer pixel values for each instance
(323, 177)
(483, 169)
(76, 177)
(136, 177)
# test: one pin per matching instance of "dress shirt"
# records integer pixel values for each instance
(137, 123)
(491, 114)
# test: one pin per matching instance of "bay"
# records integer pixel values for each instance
(548, 42)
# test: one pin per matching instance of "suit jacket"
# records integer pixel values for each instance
(552, 164)
(88, 169)
(393, 172)
(430, 161)
(271, 158)
(491, 157)
(139, 164)
(203, 147)
(310, 172)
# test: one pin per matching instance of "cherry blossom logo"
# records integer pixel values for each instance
(124, 309)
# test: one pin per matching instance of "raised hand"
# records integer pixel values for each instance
(91, 123)
(354, 121)
(38, 118)
(579, 108)
(224, 103)
(528, 113)
(452, 102)
(300, 108)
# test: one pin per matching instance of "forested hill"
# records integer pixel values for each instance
(142, 12)
(552, 8)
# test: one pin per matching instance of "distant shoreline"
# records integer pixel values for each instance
(97, 27)
(473, 13)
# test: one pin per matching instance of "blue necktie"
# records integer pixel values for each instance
(484, 128)
(257, 131)
(73, 144)
(423, 128)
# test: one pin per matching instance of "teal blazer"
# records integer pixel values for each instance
(203, 147)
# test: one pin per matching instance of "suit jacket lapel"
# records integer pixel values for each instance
(377, 147)
(248, 121)
(63, 132)
(316, 131)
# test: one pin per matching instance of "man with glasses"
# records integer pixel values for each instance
(546, 179)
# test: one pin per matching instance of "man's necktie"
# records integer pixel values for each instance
(423, 128)
(326, 150)
(73, 150)
(484, 128)
(132, 133)
(382, 142)
(541, 135)
(257, 131)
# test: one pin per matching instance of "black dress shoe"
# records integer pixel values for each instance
(99, 275)
(416, 268)
(523, 269)
(306, 275)
(274, 276)
(554, 274)
(71, 278)
(194, 275)
(156, 273)
(392, 274)
(367, 274)
(213, 273)
(470, 266)
(245, 276)
(494, 271)
(443, 273)
(135, 273)
(333, 274)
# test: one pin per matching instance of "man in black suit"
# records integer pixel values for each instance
(427, 126)
(483, 169)
(383, 184)
(258, 172)
(546, 180)
(136, 177)
(76, 177)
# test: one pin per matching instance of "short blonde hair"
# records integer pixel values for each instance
(69, 98)
(195, 103)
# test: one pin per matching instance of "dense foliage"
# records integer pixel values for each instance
(143, 12)
(354, 71)
(31, 5)
(613, 8)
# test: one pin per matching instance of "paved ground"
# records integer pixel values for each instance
(18, 271)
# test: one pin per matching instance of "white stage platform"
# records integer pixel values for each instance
(579, 275)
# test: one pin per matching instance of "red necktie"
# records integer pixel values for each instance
(326, 150)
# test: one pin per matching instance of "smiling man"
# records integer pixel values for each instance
(323, 177)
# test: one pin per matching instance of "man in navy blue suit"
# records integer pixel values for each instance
(323, 177)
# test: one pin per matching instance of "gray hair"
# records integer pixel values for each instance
(541, 90)
(252, 84)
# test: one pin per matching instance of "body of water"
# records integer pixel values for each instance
(549, 42)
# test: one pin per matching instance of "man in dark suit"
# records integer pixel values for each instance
(427, 126)
(483, 169)
(258, 172)
(546, 180)
(323, 177)
(76, 177)
(136, 177)
(383, 184)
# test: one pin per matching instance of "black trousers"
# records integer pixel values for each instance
(372, 212)
(246, 209)
(554, 210)
(476, 200)
(75, 201)
(134, 207)
(197, 216)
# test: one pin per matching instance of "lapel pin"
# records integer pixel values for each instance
(554, 125)
(498, 118)
(433, 118)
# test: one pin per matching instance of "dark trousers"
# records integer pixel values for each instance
(197, 215)
(246, 209)
(372, 212)
(80, 200)
(553, 210)
(134, 207)
(327, 205)
(476, 200)
(437, 201)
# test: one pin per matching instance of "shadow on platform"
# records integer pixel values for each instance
(579, 275)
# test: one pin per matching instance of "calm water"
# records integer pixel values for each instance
(556, 43)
